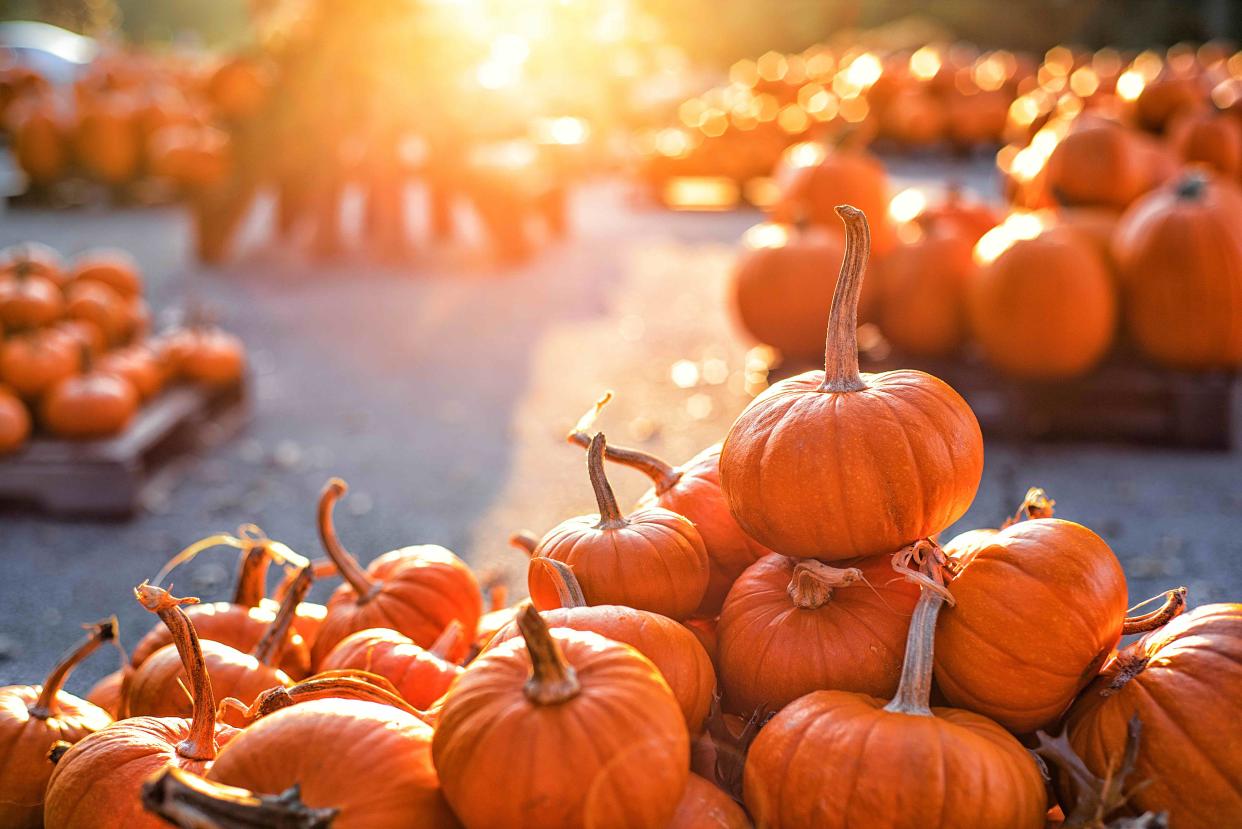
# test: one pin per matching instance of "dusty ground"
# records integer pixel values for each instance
(442, 391)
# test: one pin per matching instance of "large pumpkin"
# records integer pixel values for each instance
(1179, 252)
(604, 741)
(839, 759)
(790, 627)
(837, 465)
(1183, 683)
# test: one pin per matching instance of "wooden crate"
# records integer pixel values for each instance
(107, 478)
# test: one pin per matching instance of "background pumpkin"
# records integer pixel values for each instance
(923, 309)
(14, 422)
(420, 676)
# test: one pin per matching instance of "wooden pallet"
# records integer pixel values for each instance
(1124, 400)
(108, 478)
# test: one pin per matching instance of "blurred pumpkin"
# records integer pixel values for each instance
(34, 259)
(14, 422)
(94, 404)
(32, 363)
(28, 300)
(40, 141)
(106, 141)
(923, 310)
(1209, 138)
(100, 305)
(190, 155)
(238, 88)
(113, 267)
(1100, 163)
(204, 354)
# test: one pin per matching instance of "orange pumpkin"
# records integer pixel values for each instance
(914, 118)
(1096, 224)
(89, 406)
(660, 552)
(32, 719)
(923, 310)
(139, 366)
(14, 422)
(1209, 138)
(1166, 97)
(109, 693)
(40, 141)
(957, 214)
(238, 88)
(99, 304)
(793, 626)
(1179, 255)
(1044, 307)
(205, 354)
(606, 742)
(34, 259)
(106, 142)
(420, 676)
(704, 806)
(190, 156)
(28, 300)
(111, 266)
(30, 364)
(901, 438)
(1100, 163)
(416, 591)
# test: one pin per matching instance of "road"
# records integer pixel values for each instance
(441, 392)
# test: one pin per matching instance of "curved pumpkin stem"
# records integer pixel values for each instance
(662, 474)
(610, 517)
(187, 800)
(1173, 606)
(524, 540)
(552, 679)
(1036, 504)
(345, 684)
(841, 351)
(348, 566)
(448, 640)
(1095, 798)
(1126, 666)
(252, 574)
(201, 744)
(924, 563)
(271, 648)
(568, 590)
(812, 582)
(46, 705)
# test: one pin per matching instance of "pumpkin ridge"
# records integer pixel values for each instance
(915, 463)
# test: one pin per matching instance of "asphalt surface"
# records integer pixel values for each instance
(441, 391)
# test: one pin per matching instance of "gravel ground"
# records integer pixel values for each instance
(442, 392)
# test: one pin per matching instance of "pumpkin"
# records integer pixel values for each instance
(238, 88)
(33, 259)
(420, 676)
(1179, 255)
(1209, 138)
(660, 552)
(113, 267)
(1100, 163)
(914, 118)
(32, 363)
(190, 156)
(691, 490)
(139, 366)
(40, 141)
(99, 304)
(957, 214)
(1090, 800)
(793, 626)
(1095, 224)
(782, 289)
(1049, 598)
(96, 783)
(977, 118)
(32, 719)
(1044, 307)
(415, 591)
(28, 300)
(672, 648)
(703, 806)
(206, 354)
(86, 406)
(923, 310)
(1164, 98)
(14, 422)
(1181, 681)
(189, 801)
(348, 684)
(900, 438)
(109, 693)
(106, 142)
(87, 337)
(837, 759)
(605, 741)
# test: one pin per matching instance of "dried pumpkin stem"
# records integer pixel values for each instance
(271, 648)
(841, 351)
(524, 540)
(1173, 606)
(1094, 798)
(812, 582)
(187, 800)
(448, 640)
(1126, 666)
(47, 705)
(662, 474)
(923, 563)
(252, 575)
(347, 684)
(348, 566)
(1036, 504)
(610, 517)
(552, 679)
(568, 589)
(201, 743)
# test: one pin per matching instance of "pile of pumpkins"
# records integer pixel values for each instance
(130, 118)
(773, 635)
(75, 356)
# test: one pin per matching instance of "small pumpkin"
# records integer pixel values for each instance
(40, 141)
(106, 141)
(416, 591)
(704, 806)
(14, 422)
(792, 626)
(99, 304)
(139, 366)
(28, 300)
(32, 719)
(113, 267)
(420, 675)
(1099, 163)
(606, 741)
(900, 438)
(34, 259)
(958, 214)
(838, 759)
(661, 553)
(1210, 138)
(923, 309)
(206, 354)
(94, 404)
(32, 363)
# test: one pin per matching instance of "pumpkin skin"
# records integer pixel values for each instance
(1175, 680)
(420, 676)
(32, 719)
(1049, 597)
(1098, 164)
(416, 591)
(14, 422)
(606, 740)
(1045, 307)
(88, 406)
(662, 553)
(703, 806)
(903, 439)
(113, 267)
(781, 636)
(40, 142)
(923, 311)
(28, 300)
(32, 363)
(287, 748)
(958, 214)
(1179, 255)
(138, 365)
(33, 258)
(1209, 138)
(1096, 224)
(206, 354)
(106, 141)
(99, 304)
(107, 693)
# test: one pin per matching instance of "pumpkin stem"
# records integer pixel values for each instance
(187, 800)
(344, 684)
(923, 562)
(201, 744)
(664, 475)
(610, 517)
(271, 648)
(252, 572)
(46, 705)
(1094, 799)
(348, 566)
(497, 597)
(1173, 606)
(524, 540)
(1036, 504)
(841, 351)
(812, 582)
(1126, 666)
(552, 679)
(58, 750)
(568, 590)
(448, 640)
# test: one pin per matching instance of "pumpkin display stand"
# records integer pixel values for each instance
(109, 478)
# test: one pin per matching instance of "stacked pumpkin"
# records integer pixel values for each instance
(75, 358)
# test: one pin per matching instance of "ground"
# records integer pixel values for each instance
(442, 390)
